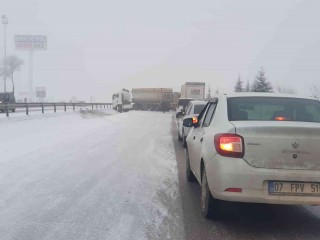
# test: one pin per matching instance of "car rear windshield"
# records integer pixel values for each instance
(273, 109)
(198, 108)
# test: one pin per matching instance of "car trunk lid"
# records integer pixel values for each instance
(280, 145)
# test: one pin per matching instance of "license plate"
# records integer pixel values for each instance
(294, 188)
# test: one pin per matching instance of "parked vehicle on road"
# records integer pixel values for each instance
(193, 110)
(121, 101)
(153, 99)
(194, 90)
(6, 98)
(181, 106)
(259, 148)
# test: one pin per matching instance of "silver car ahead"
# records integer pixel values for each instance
(193, 109)
(260, 148)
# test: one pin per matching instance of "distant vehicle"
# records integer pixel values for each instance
(176, 96)
(183, 102)
(153, 99)
(261, 148)
(182, 105)
(121, 101)
(194, 90)
(193, 110)
(7, 97)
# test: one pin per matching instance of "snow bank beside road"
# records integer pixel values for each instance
(87, 176)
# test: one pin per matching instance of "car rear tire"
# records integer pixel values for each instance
(179, 137)
(189, 174)
(119, 108)
(184, 140)
(210, 207)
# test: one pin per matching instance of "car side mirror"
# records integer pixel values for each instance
(188, 122)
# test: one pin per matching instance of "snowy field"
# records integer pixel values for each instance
(89, 175)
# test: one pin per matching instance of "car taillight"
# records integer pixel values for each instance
(229, 145)
(194, 120)
(234, 190)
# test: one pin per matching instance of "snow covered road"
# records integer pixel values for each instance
(89, 176)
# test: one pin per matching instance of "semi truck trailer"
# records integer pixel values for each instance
(153, 99)
(193, 90)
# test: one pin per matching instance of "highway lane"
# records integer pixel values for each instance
(242, 221)
(89, 175)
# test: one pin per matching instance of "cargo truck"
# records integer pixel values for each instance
(193, 90)
(153, 99)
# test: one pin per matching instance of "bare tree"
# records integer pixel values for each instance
(9, 66)
(315, 91)
(3, 71)
(248, 87)
(209, 93)
(287, 90)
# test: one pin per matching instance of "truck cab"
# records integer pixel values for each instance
(121, 101)
(7, 98)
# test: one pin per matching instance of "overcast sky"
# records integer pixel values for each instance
(97, 47)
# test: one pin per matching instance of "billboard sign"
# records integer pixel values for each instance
(31, 42)
(41, 92)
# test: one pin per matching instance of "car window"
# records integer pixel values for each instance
(189, 109)
(198, 108)
(273, 109)
(202, 113)
(209, 115)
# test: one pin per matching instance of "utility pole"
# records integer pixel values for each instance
(31, 92)
(5, 22)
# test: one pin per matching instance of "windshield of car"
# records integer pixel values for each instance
(198, 108)
(273, 109)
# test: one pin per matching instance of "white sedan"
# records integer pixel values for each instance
(259, 148)
(193, 109)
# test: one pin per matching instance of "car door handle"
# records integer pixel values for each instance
(194, 137)
(201, 139)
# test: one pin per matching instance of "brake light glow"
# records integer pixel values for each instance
(280, 119)
(229, 145)
(236, 190)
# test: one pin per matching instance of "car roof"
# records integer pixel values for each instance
(198, 102)
(261, 94)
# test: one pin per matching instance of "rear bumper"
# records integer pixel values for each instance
(224, 173)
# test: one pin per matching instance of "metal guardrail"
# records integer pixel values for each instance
(11, 107)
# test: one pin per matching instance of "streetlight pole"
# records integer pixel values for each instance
(5, 22)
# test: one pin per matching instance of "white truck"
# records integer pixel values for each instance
(121, 101)
(193, 90)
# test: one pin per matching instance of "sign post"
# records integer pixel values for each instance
(31, 43)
